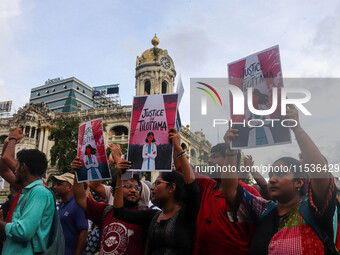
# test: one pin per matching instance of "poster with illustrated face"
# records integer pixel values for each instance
(259, 76)
(91, 152)
(152, 117)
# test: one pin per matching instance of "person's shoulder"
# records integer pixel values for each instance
(249, 188)
(40, 192)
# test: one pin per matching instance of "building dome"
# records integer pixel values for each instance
(150, 55)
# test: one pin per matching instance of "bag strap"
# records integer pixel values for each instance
(24, 201)
(310, 219)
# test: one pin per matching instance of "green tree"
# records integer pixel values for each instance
(64, 150)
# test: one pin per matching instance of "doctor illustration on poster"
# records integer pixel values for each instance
(91, 151)
(152, 117)
(260, 72)
(149, 153)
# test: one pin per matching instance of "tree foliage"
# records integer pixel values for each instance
(64, 150)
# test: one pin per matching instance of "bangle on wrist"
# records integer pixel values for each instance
(180, 154)
(13, 138)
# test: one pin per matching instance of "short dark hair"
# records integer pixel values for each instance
(221, 149)
(35, 160)
(293, 163)
(150, 133)
(175, 178)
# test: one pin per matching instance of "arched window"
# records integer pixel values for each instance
(147, 87)
(193, 153)
(164, 87)
(2, 139)
(119, 130)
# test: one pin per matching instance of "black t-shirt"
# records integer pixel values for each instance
(171, 236)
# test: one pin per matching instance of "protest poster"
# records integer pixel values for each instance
(152, 116)
(91, 151)
(261, 72)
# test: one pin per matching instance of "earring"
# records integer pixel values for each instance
(298, 188)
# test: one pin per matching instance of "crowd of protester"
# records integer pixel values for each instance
(183, 212)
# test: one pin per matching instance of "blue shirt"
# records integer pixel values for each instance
(72, 219)
(29, 232)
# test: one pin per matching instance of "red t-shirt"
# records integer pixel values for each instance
(116, 236)
(219, 236)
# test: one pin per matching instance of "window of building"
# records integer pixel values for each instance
(147, 87)
(65, 87)
(83, 91)
(47, 92)
(77, 87)
(38, 94)
(53, 90)
(164, 87)
(119, 130)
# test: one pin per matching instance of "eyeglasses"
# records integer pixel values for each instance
(157, 182)
(135, 187)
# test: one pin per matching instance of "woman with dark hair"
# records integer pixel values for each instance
(91, 163)
(149, 153)
(170, 231)
(295, 223)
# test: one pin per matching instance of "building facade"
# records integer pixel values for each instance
(38, 118)
(64, 95)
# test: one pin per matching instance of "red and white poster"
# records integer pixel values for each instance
(152, 117)
(91, 151)
(260, 72)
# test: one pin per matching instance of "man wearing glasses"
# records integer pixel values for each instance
(116, 236)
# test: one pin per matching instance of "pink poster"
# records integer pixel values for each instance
(152, 117)
(91, 151)
(261, 72)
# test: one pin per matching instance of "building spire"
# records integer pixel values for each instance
(155, 41)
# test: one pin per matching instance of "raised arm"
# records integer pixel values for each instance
(8, 162)
(99, 188)
(179, 153)
(78, 188)
(229, 179)
(312, 157)
(9, 147)
(249, 162)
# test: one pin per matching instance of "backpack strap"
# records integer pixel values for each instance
(24, 201)
(269, 207)
(309, 218)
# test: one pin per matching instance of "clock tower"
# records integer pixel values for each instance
(155, 71)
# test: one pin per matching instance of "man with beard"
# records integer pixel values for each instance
(28, 232)
(116, 236)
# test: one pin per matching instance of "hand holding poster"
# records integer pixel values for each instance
(152, 117)
(261, 72)
(91, 151)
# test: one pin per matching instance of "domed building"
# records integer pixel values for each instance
(155, 74)
(155, 71)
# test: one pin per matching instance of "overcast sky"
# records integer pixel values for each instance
(98, 42)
